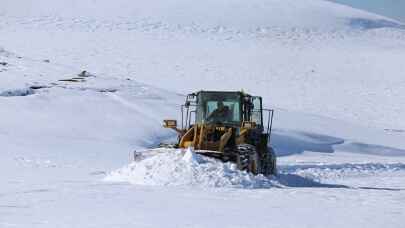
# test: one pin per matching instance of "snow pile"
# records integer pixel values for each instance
(179, 168)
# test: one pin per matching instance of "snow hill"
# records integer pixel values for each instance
(391, 8)
(287, 49)
(85, 83)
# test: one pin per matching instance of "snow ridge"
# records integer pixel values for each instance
(17, 92)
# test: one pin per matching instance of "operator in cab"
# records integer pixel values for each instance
(221, 114)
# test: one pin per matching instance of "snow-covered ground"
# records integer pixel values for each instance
(334, 75)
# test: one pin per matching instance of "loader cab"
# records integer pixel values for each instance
(225, 108)
(219, 108)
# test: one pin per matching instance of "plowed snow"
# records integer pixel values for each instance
(185, 168)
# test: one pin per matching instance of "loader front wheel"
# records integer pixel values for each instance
(247, 158)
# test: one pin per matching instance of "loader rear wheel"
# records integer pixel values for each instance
(247, 158)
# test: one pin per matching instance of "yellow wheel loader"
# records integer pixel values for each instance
(227, 126)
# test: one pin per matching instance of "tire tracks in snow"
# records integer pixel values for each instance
(341, 171)
(133, 107)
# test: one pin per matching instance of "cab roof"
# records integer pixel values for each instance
(225, 92)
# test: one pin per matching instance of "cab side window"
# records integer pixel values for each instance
(256, 111)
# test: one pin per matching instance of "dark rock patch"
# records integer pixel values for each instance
(35, 87)
(85, 74)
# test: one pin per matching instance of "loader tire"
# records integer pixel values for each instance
(269, 166)
(247, 158)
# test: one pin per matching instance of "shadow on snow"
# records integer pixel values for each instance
(288, 142)
(363, 23)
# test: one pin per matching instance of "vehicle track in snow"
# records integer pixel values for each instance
(375, 167)
(322, 172)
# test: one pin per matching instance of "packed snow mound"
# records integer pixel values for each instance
(171, 167)
(21, 92)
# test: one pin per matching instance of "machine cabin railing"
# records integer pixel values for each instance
(270, 117)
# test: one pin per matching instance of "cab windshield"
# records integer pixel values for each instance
(219, 108)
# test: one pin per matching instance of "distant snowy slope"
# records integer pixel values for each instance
(233, 14)
(389, 8)
(311, 56)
